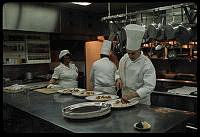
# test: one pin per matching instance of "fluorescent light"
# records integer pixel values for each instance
(82, 3)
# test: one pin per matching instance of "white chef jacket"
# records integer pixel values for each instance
(138, 75)
(66, 76)
(102, 75)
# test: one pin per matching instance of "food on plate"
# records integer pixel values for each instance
(142, 125)
(87, 93)
(70, 90)
(103, 97)
(119, 103)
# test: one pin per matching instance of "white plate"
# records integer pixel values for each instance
(70, 91)
(86, 93)
(95, 97)
(145, 124)
(120, 105)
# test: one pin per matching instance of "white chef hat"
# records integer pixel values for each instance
(106, 46)
(134, 35)
(63, 53)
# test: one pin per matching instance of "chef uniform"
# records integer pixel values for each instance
(66, 76)
(138, 75)
(102, 74)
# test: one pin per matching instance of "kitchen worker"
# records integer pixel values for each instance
(136, 75)
(102, 74)
(66, 73)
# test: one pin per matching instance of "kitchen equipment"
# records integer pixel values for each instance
(154, 30)
(183, 33)
(86, 110)
(102, 97)
(29, 76)
(172, 53)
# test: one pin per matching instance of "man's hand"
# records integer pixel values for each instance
(129, 96)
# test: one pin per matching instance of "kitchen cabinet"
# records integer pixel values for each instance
(26, 52)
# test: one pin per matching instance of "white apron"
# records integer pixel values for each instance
(66, 76)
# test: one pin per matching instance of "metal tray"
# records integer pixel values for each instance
(86, 110)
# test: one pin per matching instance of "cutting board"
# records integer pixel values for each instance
(13, 91)
(46, 90)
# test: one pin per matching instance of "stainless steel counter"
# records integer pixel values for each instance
(48, 108)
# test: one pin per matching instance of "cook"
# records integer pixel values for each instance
(102, 74)
(66, 73)
(136, 74)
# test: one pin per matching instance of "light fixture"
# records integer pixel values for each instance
(82, 3)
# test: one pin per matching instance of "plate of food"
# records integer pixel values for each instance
(142, 125)
(86, 93)
(70, 91)
(102, 97)
(118, 103)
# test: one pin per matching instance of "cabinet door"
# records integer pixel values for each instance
(38, 51)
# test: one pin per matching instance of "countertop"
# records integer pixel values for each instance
(48, 107)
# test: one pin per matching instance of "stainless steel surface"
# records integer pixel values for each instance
(47, 108)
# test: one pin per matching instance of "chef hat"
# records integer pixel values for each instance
(106, 46)
(63, 53)
(134, 35)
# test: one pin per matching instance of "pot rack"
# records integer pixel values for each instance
(131, 16)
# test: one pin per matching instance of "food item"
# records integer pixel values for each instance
(88, 93)
(104, 97)
(119, 103)
(71, 90)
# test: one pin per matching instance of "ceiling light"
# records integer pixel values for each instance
(82, 3)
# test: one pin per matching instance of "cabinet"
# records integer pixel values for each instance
(26, 52)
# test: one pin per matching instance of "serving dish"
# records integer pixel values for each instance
(86, 110)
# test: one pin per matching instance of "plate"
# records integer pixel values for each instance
(86, 110)
(102, 97)
(70, 91)
(146, 126)
(86, 93)
(117, 103)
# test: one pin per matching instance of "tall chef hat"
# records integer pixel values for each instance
(63, 53)
(106, 46)
(134, 35)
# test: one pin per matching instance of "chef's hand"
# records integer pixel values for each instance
(129, 96)
(118, 84)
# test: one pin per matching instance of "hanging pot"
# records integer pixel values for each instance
(170, 30)
(194, 33)
(183, 33)
(154, 30)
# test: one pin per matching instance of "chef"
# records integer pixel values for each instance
(102, 74)
(136, 74)
(66, 73)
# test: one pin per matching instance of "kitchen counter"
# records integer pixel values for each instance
(48, 108)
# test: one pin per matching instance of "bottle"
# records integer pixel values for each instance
(18, 60)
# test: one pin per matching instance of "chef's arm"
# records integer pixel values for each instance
(92, 76)
(118, 81)
(149, 79)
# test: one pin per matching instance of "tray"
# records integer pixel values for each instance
(86, 110)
